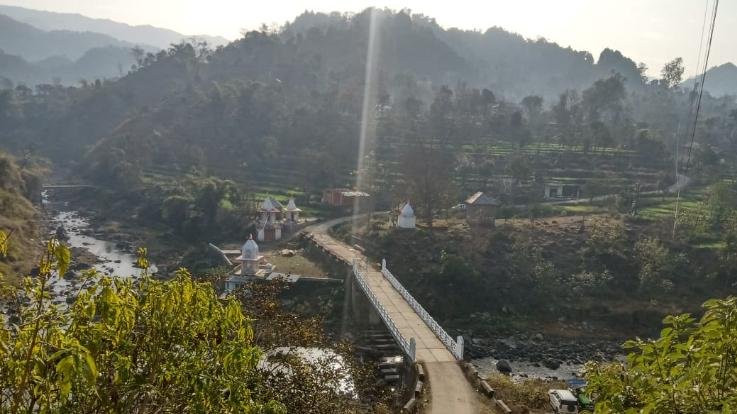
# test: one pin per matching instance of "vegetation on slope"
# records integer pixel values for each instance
(617, 272)
(18, 217)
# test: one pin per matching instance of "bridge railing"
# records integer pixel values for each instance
(455, 347)
(408, 346)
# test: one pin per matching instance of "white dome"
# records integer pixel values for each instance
(291, 206)
(267, 205)
(407, 210)
(249, 249)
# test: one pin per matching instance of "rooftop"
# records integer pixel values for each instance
(481, 199)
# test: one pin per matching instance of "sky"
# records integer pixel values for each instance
(649, 31)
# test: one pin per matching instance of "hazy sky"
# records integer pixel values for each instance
(649, 31)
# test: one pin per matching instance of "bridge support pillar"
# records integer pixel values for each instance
(347, 304)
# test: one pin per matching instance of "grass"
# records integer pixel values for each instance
(297, 264)
(583, 209)
(531, 393)
(658, 208)
(711, 245)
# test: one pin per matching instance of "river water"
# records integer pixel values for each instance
(111, 259)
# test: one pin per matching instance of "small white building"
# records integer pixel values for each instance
(252, 264)
(406, 219)
(249, 258)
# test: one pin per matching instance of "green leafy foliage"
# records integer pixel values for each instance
(120, 347)
(690, 368)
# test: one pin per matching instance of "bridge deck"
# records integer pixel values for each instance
(450, 392)
(429, 347)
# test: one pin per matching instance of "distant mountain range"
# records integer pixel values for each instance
(41, 47)
(141, 35)
(720, 80)
(45, 47)
(33, 44)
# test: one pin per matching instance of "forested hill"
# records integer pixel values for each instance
(504, 62)
(720, 80)
(285, 106)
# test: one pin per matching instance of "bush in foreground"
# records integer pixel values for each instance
(690, 368)
(150, 347)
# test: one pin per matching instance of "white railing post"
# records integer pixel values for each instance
(383, 265)
(459, 347)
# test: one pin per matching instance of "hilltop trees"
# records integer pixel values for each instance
(672, 73)
(428, 175)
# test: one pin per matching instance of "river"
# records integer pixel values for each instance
(110, 257)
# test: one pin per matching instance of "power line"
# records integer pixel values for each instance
(698, 105)
(703, 80)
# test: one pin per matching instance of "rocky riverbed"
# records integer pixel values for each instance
(92, 246)
(538, 355)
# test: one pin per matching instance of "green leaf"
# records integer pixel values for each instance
(63, 258)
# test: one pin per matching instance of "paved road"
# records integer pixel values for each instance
(450, 390)
(681, 182)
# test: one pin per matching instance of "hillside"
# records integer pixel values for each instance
(142, 35)
(720, 80)
(18, 217)
(505, 62)
(282, 110)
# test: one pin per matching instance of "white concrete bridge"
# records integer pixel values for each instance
(422, 339)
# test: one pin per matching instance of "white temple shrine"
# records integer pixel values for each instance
(249, 258)
(274, 219)
(252, 264)
(406, 219)
(268, 226)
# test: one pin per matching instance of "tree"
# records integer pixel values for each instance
(533, 105)
(656, 264)
(690, 368)
(428, 172)
(519, 168)
(672, 73)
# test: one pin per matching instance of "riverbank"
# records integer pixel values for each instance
(539, 356)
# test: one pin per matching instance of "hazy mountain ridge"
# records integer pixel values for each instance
(33, 44)
(97, 63)
(140, 34)
(720, 80)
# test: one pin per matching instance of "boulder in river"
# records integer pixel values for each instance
(551, 363)
(61, 233)
(503, 366)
